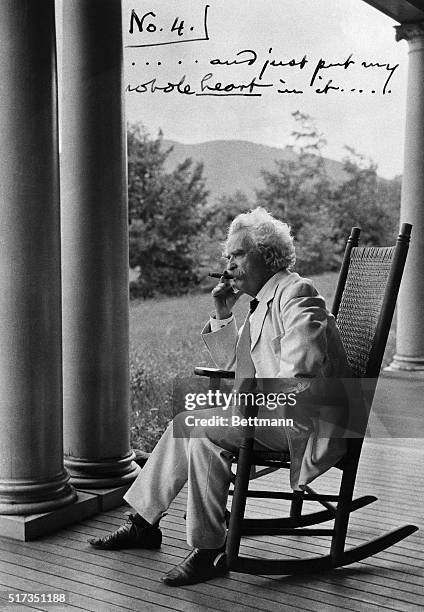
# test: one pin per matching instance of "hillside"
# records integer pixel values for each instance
(235, 164)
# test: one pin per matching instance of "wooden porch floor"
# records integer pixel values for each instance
(118, 581)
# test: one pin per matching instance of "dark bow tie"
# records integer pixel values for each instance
(253, 305)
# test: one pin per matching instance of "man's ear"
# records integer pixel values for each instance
(268, 255)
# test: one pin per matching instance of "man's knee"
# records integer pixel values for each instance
(203, 425)
(195, 424)
(204, 452)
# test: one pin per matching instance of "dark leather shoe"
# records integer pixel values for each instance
(136, 533)
(199, 566)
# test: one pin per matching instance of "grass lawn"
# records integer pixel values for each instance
(166, 342)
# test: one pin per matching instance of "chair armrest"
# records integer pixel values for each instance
(213, 373)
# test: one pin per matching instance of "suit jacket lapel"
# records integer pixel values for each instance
(266, 296)
(257, 321)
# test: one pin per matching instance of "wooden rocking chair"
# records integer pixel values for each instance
(363, 305)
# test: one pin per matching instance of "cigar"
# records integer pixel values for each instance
(225, 274)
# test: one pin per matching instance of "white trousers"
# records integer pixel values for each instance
(202, 457)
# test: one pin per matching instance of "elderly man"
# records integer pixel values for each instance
(287, 334)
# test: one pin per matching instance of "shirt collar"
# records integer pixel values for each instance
(267, 292)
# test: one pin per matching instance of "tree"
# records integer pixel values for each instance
(357, 202)
(299, 185)
(320, 210)
(217, 216)
(299, 191)
(165, 216)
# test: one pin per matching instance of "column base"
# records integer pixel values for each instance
(33, 497)
(113, 497)
(102, 474)
(107, 499)
(407, 364)
(25, 528)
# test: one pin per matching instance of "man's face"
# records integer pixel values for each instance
(246, 264)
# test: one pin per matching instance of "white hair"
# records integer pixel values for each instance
(269, 236)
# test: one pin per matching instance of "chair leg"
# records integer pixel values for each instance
(296, 504)
(280, 567)
(238, 505)
(341, 519)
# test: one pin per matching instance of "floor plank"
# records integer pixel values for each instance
(130, 580)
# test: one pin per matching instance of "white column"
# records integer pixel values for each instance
(95, 246)
(32, 476)
(410, 315)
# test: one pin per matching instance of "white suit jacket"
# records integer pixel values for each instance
(293, 336)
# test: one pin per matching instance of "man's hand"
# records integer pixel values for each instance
(224, 298)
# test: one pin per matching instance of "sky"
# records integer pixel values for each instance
(257, 67)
